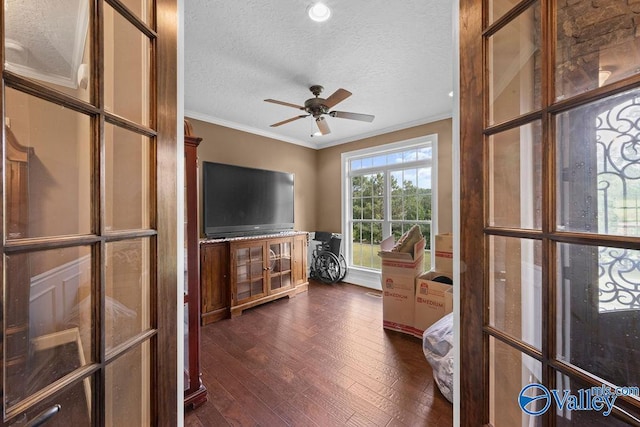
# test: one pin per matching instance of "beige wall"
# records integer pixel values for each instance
(329, 169)
(224, 145)
(318, 195)
(317, 172)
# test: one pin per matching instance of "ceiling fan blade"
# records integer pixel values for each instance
(323, 126)
(337, 96)
(289, 120)
(353, 116)
(286, 104)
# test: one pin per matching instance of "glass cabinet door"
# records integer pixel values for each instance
(280, 272)
(248, 269)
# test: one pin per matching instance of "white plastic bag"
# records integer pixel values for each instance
(437, 346)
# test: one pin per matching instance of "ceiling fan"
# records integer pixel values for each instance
(317, 107)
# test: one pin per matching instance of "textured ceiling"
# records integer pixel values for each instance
(394, 56)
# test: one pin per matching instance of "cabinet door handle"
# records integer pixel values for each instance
(44, 416)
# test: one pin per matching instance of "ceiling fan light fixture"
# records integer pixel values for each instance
(319, 12)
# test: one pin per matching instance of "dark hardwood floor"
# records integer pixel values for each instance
(321, 358)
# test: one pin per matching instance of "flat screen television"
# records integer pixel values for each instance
(241, 201)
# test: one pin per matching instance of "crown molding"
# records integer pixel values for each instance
(319, 146)
(244, 128)
(389, 129)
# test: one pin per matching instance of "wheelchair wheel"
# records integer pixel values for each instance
(343, 267)
(327, 267)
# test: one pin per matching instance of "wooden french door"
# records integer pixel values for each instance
(550, 212)
(89, 213)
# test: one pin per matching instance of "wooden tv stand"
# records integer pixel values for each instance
(240, 273)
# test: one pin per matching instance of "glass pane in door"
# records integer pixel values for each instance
(75, 407)
(127, 179)
(185, 343)
(515, 294)
(515, 67)
(128, 385)
(597, 44)
(592, 418)
(598, 321)
(497, 8)
(509, 372)
(141, 8)
(49, 41)
(127, 68)
(48, 318)
(515, 177)
(598, 175)
(48, 158)
(128, 295)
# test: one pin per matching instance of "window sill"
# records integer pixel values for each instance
(363, 277)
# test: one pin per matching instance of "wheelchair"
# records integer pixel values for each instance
(327, 263)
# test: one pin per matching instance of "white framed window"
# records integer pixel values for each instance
(386, 190)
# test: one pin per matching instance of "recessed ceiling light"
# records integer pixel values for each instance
(319, 12)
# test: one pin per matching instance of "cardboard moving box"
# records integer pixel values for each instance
(432, 301)
(444, 253)
(399, 272)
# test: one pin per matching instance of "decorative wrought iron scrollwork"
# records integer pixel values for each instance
(618, 142)
(619, 279)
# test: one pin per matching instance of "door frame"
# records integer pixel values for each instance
(165, 382)
(472, 265)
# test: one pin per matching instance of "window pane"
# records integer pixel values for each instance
(48, 318)
(410, 180)
(411, 200)
(396, 182)
(47, 41)
(394, 158)
(595, 46)
(424, 206)
(356, 186)
(128, 192)
(410, 155)
(425, 153)
(127, 73)
(380, 160)
(515, 293)
(514, 67)
(48, 161)
(378, 184)
(598, 176)
(599, 311)
(366, 244)
(356, 164)
(397, 207)
(515, 178)
(128, 384)
(424, 180)
(378, 208)
(128, 296)
(357, 208)
(408, 201)
(509, 372)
